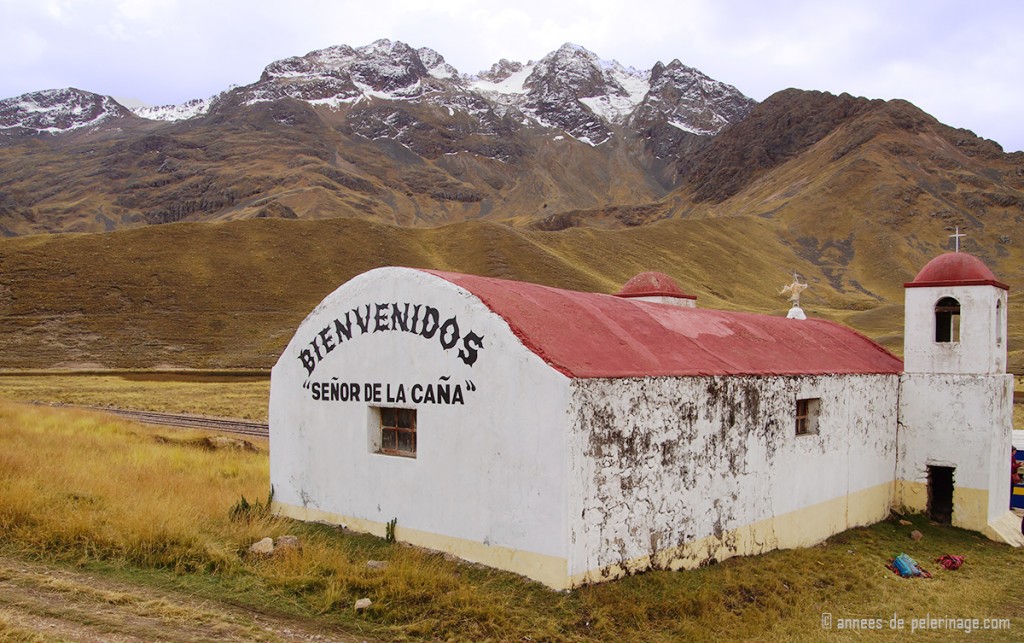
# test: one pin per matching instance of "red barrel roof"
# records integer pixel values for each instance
(653, 284)
(588, 335)
(955, 269)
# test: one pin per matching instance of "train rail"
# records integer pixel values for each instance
(184, 421)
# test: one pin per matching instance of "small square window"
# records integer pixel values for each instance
(397, 431)
(807, 411)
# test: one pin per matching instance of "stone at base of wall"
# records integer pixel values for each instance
(1005, 529)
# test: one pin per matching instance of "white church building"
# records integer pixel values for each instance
(577, 437)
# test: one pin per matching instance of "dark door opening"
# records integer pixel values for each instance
(940, 494)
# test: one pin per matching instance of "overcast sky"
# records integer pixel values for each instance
(961, 61)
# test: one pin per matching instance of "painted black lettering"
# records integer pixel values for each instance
(417, 393)
(353, 391)
(380, 319)
(471, 344)
(428, 396)
(399, 320)
(400, 394)
(376, 392)
(316, 349)
(368, 392)
(457, 395)
(449, 333)
(444, 394)
(415, 317)
(343, 329)
(364, 324)
(336, 391)
(307, 360)
(328, 341)
(316, 390)
(431, 319)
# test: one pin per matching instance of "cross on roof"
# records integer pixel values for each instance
(956, 236)
(794, 289)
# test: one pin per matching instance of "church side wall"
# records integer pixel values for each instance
(487, 482)
(678, 472)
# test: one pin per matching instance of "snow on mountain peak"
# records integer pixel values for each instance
(57, 111)
(184, 111)
(570, 89)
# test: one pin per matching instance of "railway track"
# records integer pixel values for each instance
(183, 421)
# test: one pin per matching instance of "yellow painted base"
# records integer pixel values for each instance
(970, 506)
(549, 570)
(800, 528)
(970, 510)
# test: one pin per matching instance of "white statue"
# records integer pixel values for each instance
(794, 289)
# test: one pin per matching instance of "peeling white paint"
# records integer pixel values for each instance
(661, 462)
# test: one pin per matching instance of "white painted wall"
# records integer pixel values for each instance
(962, 421)
(491, 470)
(661, 462)
(979, 349)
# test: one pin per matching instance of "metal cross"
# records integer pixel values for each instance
(956, 236)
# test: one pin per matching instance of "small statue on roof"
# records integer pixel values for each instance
(794, 289)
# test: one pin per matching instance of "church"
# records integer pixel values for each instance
(577, 437)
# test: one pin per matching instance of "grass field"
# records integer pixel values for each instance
(218, 395)
(150, 507)
(230, 296)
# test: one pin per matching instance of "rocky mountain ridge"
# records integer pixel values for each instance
(570, 89)
(392, 134)
(57, 111)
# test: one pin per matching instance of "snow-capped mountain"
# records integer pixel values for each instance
(184, 111)
(571, 90)
(57, 111)
(383, 131)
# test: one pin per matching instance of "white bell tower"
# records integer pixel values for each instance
(955, 318)
(956, 400)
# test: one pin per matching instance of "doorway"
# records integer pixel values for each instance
(940, 494)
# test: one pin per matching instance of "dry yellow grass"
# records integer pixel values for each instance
(219, 396)
(83, 488)
(78, 482)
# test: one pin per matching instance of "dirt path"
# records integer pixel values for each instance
(42, 603)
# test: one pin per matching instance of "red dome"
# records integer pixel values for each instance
(955, 269)
(653, 284)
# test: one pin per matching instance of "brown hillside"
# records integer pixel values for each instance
(231, 294)
(865, 188)
(235, 163)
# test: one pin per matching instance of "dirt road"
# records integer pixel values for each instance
(42, 603)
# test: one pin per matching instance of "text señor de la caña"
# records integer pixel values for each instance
(378, 393)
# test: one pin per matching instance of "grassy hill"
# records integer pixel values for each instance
(229, 295)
